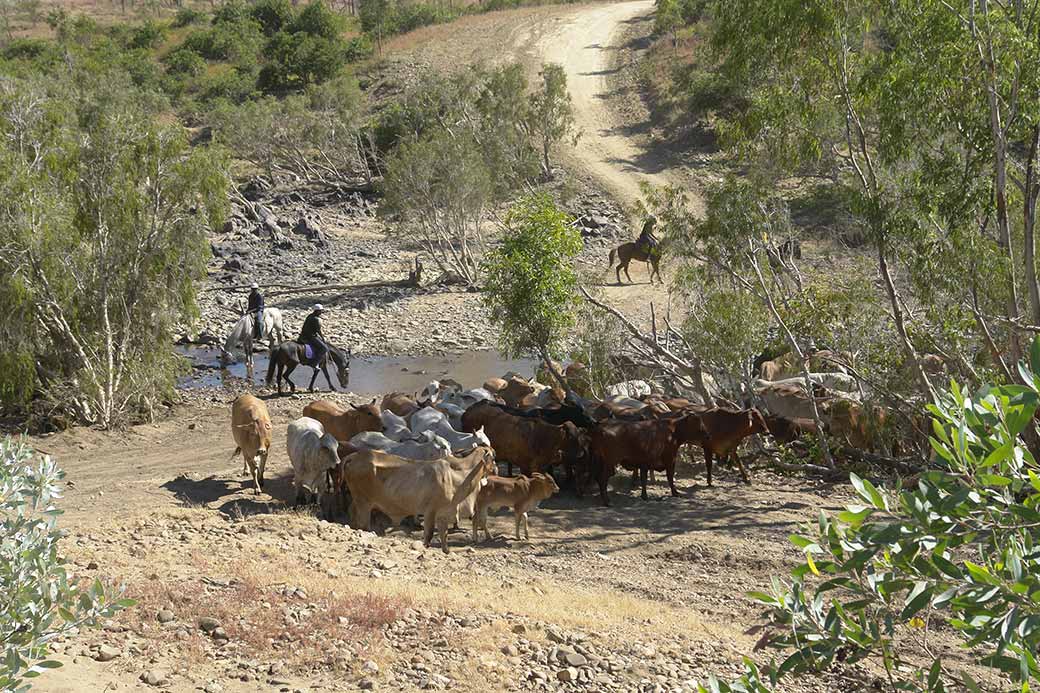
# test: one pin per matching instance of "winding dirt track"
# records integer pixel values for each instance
(586, 44)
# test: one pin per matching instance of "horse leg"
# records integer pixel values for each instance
(617, 270)
(629, 276)
(288, 377)
(325, 370)
(314, 376)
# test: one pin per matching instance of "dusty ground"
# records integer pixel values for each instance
(638, 596)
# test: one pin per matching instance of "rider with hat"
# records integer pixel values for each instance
(311, 333)
(647, 241)
(256, 308)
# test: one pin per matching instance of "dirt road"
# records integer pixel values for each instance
(587, 44)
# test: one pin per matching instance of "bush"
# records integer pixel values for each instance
(234, 85)
(236, 41)
(272, 15)
(187, 16)
(39, 601)
(300, 59)
(185, 61)
(148, 35)
(104, 239)
(954, 553)
(316, 19)
(28, 49)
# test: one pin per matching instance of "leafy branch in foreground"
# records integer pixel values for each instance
(955, 553)
(40, 601)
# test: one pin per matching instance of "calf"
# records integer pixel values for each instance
(519, 493)
(401, 488)
(313, 453)
(251, 429)
(344, 424)
(650, 445)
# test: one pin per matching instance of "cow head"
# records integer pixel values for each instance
(544, 485)
(367, 417)
(756, 422)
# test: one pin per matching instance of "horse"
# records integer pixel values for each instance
(289, 354)
(627, 252)
(241, 335)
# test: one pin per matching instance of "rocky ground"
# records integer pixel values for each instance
(319, 239)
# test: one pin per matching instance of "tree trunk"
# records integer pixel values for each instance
(1029, 226)
(897, 315)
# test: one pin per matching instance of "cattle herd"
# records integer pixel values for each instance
(435, 455)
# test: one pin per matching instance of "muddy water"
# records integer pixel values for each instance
(368, 374)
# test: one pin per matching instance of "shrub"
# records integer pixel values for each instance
(272, 15)
(187, 16)
(185, 61)
(317, 19)
(148, 35)
(300, 59)
(40, 602)
(953, 553)
(235, 41)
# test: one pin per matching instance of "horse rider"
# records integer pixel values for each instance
(311, 333)
(256, 309)
(647, 241)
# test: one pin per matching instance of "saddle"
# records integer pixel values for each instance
(308, 352)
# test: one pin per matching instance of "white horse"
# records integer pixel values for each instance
(242, 335)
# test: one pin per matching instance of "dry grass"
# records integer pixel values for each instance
(302, 623)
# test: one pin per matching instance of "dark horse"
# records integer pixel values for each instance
(289, 354)
(627, 252)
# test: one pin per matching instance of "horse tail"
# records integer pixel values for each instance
(272, 363)
(611, 260)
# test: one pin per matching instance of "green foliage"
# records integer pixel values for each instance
(531, 287)
(597, 340)
(300, 59)
(273, 15)
(668, 17)
(186, 16)
(316, 19)
(41, 599)
(103, 221)
(185, 61)
(955, 551)
(726, 328)
(440, 186)
(552, 116)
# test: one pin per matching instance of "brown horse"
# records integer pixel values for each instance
(627, 252)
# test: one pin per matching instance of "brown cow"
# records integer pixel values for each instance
(519, 493)
(251, 429)
(344, 424)
(785, 430)
(726, 428)
(863, 428)
(650, 445)
(530, 443)
(516, 391)
(400, 404)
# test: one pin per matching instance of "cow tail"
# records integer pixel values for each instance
(235, 453)
(468, 485)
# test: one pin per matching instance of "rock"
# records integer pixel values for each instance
(219, 634)
(309, 229)
(165, 616)
(519, 629)
(154, 677)
(367, 685)
(236, 264)
(370, 667)
(567, 675)
(213, 687)
(208, 624)
(510, 651)
(553, 635)
(93, 564)
(575, 660)
(106, 653)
